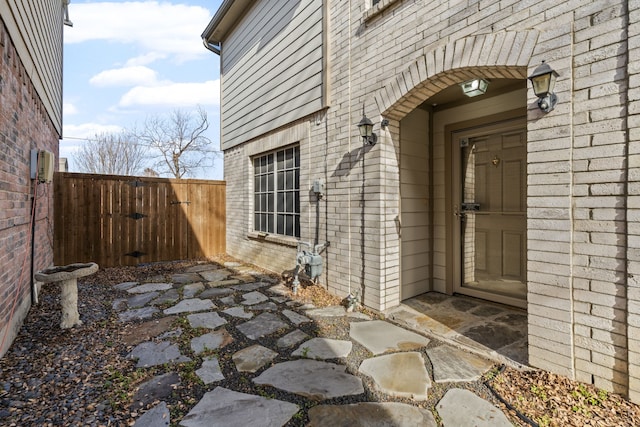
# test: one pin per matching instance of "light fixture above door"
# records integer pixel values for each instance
(475, 87)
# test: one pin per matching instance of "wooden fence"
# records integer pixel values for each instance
(122, 220)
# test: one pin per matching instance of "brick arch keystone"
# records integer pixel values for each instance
(497, 55)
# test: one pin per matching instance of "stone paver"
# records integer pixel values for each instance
(125, 285)
(291, 339)
(248, 287)
(399, 374)
(153, 354)
(232, 264)
(451, 364)
(211, 341)
(156, 389)
(461, 407)
(295, 318)
(184, 278)
(323, 348)
(119, 304)
(167, 297)
(170, 334)
(225, 282)
(158, 416)
(230, 300)
(371, 414)
(254, 297)
(190, 305)
(379, 337)
(262, 325)
(223, 408)
(141, 313)
(209, 320)
(210, 371)
(264, 306)
(239, 312)
(199, 268)
(140, 300)
(311, 378)
(215, 293)
(334, 311)
(215, 275)
(192, 289)
(150, 287)
(280, 289)
(251, 359)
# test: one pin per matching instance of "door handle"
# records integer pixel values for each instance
(471, 207)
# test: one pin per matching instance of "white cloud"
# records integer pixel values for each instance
(88, 130)
(173, 94)
(68, 109)
(127, 76)
(157, 28)
(145, 59)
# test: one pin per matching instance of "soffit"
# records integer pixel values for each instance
(226, 17)
(453, 96)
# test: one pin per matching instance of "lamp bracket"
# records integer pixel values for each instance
(548, 102)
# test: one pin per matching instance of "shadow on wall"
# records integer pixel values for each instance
(350, 159)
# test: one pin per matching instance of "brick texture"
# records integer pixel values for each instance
(24, 125)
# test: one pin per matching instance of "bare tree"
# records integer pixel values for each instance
(111, 153)
(181, 141)
(150, 173)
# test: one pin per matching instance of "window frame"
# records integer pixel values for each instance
(276, 192)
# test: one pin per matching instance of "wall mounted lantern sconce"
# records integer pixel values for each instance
(475, 87)
(543, 81)
(366, 130)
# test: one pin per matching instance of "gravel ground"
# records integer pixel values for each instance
(81, 377)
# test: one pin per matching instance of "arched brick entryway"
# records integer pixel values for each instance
(503, 55)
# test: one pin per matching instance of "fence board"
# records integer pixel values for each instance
(118, 220)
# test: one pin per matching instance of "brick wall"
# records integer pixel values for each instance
(24, 125)
(633, 199)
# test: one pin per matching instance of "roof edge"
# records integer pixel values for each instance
(225, 18)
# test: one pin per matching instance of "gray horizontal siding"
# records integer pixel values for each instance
(36, 30)
(272, 68)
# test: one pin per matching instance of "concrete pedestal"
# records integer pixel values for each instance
(67, 277)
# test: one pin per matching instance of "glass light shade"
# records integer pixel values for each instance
(475, 87)
(366, 127)
(543, 80)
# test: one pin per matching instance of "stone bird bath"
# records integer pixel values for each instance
(67, 276)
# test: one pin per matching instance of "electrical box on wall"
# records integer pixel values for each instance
(46, 165)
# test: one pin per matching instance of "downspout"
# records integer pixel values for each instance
(210, 46)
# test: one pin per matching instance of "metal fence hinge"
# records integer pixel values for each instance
(136, 254)
(135, 183)
(136, 215)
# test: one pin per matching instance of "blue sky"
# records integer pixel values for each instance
(126, 60)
